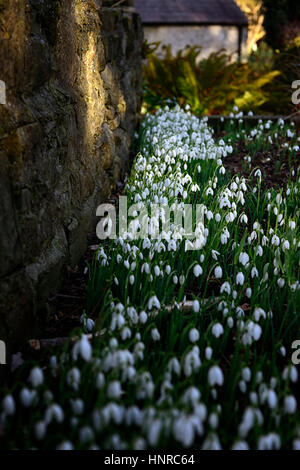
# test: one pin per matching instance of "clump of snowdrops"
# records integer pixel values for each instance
(215, 375)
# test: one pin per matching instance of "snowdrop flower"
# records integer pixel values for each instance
(40, 429)
(290, 404)
(269, 442)
(243, 258)
(217, 330)
(240, 445)
(54, 412)
(218, 272)
(194, 335)
(65, 445)
(36, 377)
(73, 378)
(196, 306)
(114, 390)
(240, 278)
(272, 399)
(280, 282)
(208, 353)
(225, 287)
(215, 376)
(249, 292)
(153, 302)
(155, 334)
(290, 373)
(8, 405)
(143, 317)
(27, 396)
(154, 430)
(197, 270)
(100, 380)
(83, 348)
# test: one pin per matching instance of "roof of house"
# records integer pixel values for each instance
(221, 12)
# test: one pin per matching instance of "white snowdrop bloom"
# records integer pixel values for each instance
(213, 420)
(217, 330)
(184, 431)
(208, 353)
(114, 390)
(259, 313)
(90, 324)
(153, 302)
(197, 270)
(292, 224)
(212, 442)
(155, 334)
(240, 278)
(290, 404)
(296, 444)
(249, 292)
(240, 445)
(272, 399)
(215, 254)
(86, 434)
(125, 333)
(242, 386)
(254, 272)
(243, 258)
(36, 377)
(175, 279)
(100, 380)
(218, 272)
(225, 287)
(194, 335)
(290, 373)
(244, 218)
(217, 217)
(196, 306)
(246, 374)
(191, 396)
(77, 406)
(247, 422)
(54, 412)
(280, 282)
(65, 445)
(8, 405)
(131, 279)
(40, 429)
(154, 430)
(270, 441)
(230, 322)
(215, 376)
(283, 351)
(156, 271)
(27, 396)
(192, 361)
(168, 269)
(143, 317)
(286, 245)
(275, 240)
(73, 378)
(82, 348)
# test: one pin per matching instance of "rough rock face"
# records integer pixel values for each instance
(72, 71)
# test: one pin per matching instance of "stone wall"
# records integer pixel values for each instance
(72, 71)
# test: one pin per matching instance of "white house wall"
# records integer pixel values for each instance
(210, 38)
